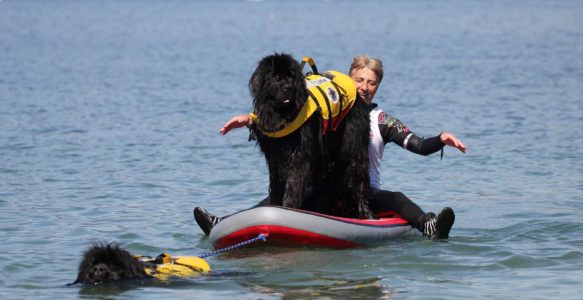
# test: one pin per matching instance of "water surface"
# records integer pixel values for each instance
(109, 121)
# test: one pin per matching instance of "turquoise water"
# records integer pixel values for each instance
(109, 121)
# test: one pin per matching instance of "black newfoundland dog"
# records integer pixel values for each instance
(308, 170)
(109, 262)
(104, 262)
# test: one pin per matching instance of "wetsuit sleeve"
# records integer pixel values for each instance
(393, 130)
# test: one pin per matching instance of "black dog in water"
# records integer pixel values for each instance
(109, 262)
(322, 165)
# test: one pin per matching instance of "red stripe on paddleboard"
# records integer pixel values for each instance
(388, 214)
(284, 236)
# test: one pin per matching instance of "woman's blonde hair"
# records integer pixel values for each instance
(363, 61)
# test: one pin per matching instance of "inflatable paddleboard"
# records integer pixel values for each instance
(298, 228)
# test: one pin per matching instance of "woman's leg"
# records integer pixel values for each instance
(432, 226)
(383, 201)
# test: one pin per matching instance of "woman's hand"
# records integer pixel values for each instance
(450, 140)
(236, 122)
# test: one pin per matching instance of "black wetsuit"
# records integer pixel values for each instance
(391, 130)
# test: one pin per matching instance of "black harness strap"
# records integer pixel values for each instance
(320, 121)
(341, 95)
(313, 66)
(327, 104)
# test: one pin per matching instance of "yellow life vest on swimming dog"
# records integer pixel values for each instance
(166, 266)
(332, 93)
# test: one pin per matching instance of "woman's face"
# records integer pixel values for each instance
(366, 83)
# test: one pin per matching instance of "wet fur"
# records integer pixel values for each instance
(326, 174)
(109, 262)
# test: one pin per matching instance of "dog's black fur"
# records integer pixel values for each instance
(327, 174)
(109, 262)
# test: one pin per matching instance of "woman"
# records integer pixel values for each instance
(367, 74)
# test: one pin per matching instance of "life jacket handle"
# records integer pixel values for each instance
(310, 62)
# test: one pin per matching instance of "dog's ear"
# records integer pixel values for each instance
(263, 70)
(256, 82)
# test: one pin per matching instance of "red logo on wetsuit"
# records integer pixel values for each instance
(384, 118)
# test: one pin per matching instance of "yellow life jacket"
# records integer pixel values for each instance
(166, 266)
(333, 94)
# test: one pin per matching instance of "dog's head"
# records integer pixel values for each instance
(108, 262)
(278, 90)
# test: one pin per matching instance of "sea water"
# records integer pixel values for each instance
(109, 120)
